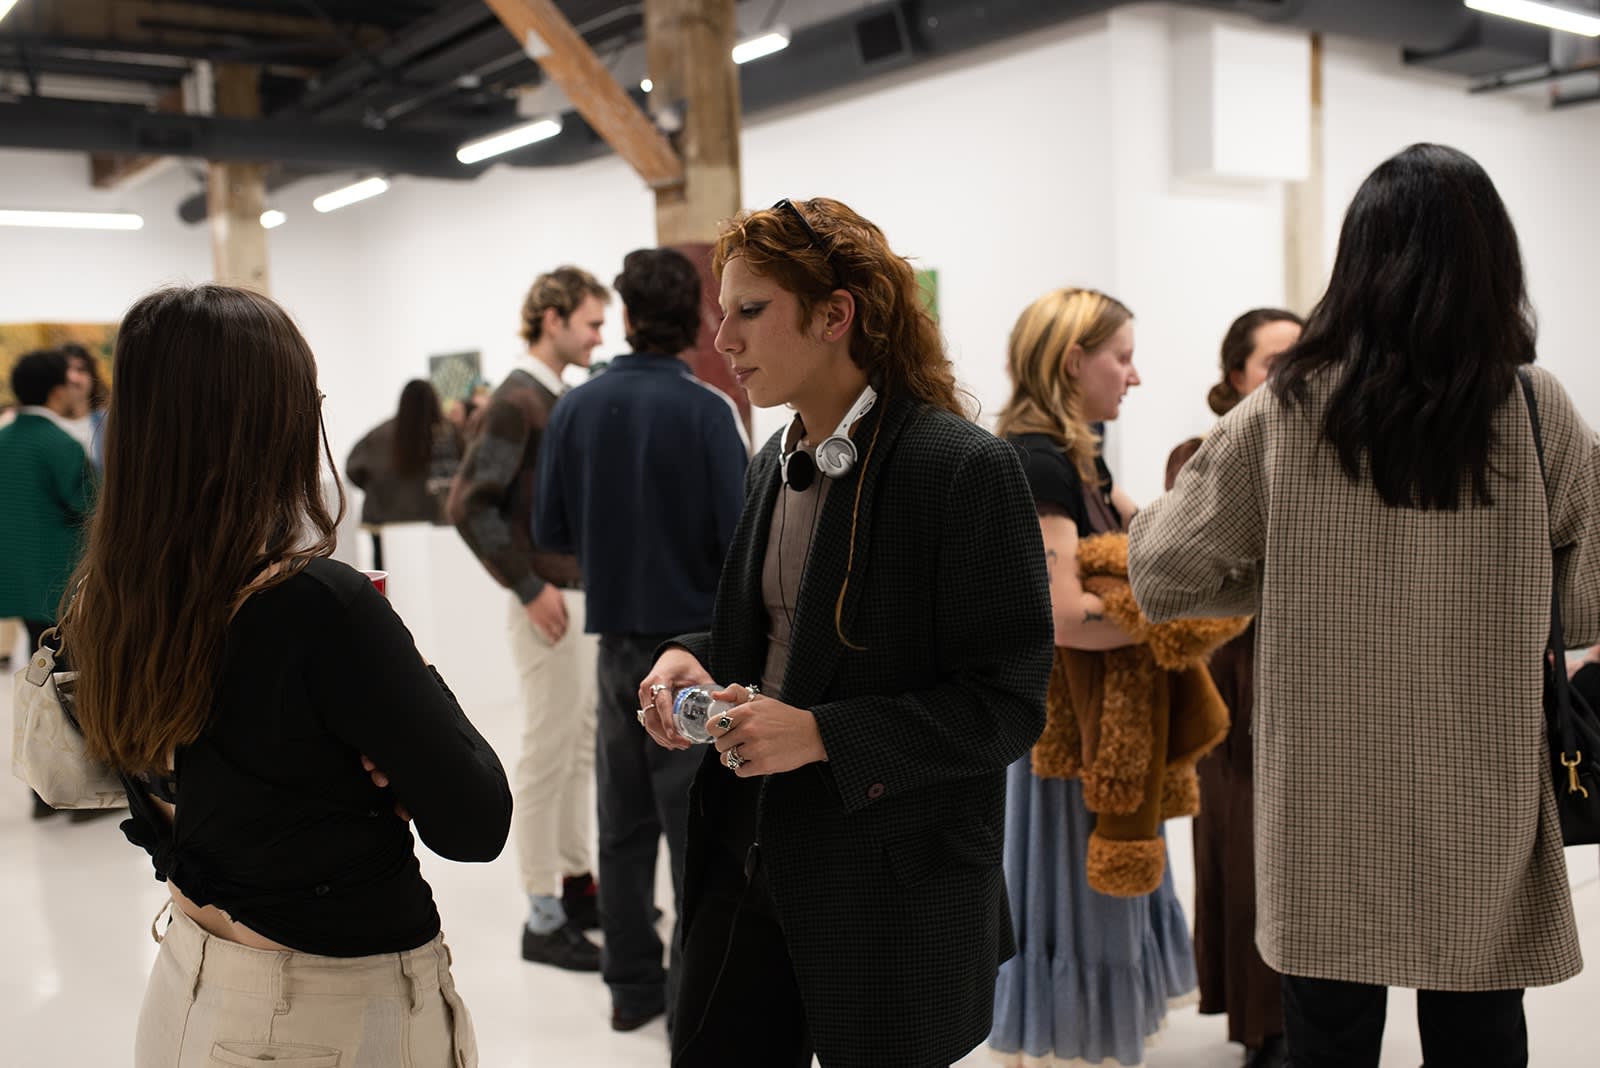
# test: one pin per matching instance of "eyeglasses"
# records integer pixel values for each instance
(811, 232)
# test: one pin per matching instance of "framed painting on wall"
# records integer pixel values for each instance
(453, 375)
(19, 338)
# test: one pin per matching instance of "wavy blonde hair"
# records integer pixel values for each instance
(1045, 398)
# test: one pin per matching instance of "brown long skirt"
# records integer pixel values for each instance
(1233, 977)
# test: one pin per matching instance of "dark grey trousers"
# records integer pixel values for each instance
(642, 792)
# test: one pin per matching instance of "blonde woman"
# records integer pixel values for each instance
(1094, 974)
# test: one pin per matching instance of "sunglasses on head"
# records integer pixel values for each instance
(816, 239)
(788, 205)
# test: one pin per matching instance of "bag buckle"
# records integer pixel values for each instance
(1573, 785)
(40, 667)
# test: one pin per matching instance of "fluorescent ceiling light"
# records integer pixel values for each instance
(765, 45)
(272, 218)
(1555, 16)
(647, 85)
(6, 6)
(508, 140)
(350, 194)
(71, 220)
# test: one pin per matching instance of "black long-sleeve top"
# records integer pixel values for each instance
(278, 824)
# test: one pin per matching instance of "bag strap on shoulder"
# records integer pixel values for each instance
(1556, 645)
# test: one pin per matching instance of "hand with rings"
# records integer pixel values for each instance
(675, 669)
(761, 736)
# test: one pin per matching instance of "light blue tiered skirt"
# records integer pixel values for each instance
(1094, 975)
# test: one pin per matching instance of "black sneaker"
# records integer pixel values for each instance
(628, 1021)
(581, 900)
(565, 947)
(1272, 1054)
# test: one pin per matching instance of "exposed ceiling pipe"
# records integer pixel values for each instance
(898, 34)
(345, 78)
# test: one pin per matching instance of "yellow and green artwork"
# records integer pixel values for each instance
(928, 282)
(19, 338)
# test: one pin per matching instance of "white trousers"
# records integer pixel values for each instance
(214, 1002)
(553, 816)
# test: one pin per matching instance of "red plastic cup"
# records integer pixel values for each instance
(380, 579)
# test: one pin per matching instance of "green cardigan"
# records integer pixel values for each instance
(47, 488)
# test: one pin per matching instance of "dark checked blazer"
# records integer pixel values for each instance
(884, 862)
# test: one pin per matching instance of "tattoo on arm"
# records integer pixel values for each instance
(1051, 558)
(1094, 617)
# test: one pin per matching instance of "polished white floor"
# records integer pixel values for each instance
(78, 899)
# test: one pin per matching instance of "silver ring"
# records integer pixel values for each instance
(657, 689)
(724, 723)
(641, 717)
(754, 691)
(733, 759)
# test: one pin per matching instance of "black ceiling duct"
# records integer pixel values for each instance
(899, 34)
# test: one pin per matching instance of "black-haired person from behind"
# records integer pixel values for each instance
(1380, 508)
(641, 474)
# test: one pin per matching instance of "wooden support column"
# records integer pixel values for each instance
(566, 57)
(1305, 223)
(689, 53)
(237, 192)
(688, 50)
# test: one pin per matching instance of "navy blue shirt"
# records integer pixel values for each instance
(641, 474)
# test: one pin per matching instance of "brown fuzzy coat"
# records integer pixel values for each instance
(1131, 723)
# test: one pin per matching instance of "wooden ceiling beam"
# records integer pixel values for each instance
(568, 60)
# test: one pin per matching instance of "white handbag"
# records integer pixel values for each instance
(47, 748)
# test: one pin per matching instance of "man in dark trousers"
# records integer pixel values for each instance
(642, 475)
(490, 501)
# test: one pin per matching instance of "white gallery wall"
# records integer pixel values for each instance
(1042, 162)
(91, 276)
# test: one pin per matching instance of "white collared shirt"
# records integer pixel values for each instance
(542, 374)
(81, 430)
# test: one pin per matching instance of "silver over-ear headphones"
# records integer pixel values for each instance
(836, 455)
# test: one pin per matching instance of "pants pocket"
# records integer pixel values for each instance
(277, 1054)
(463, 1042)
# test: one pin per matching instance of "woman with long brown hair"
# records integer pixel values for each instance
(274, 724)
(403, 466)
(1095, 971)
(886, 588)
(1233, 977)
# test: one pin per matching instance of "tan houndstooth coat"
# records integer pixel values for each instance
(1405, 827)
